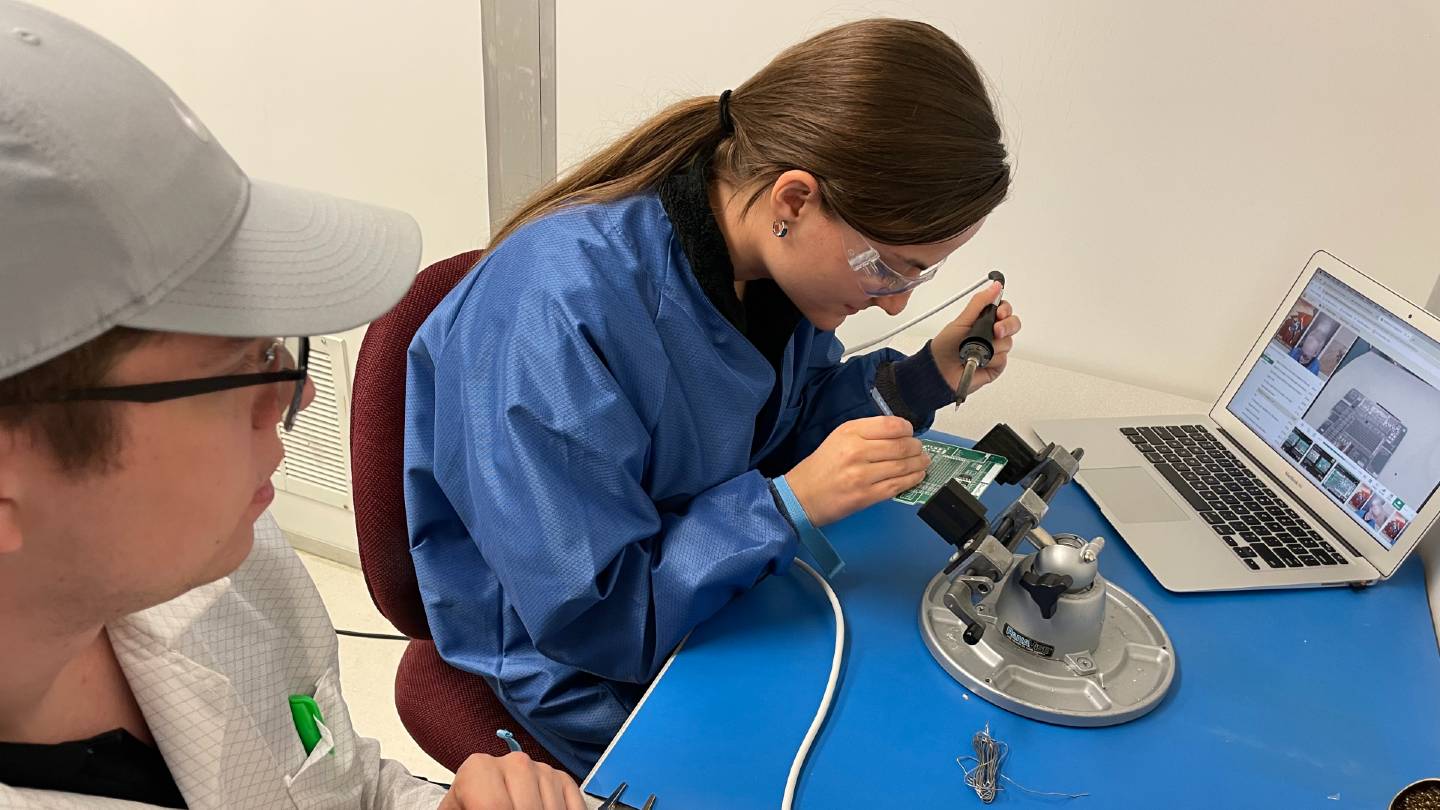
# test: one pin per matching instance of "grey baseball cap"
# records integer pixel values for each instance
(119, 208)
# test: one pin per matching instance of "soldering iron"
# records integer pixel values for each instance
(978, 347)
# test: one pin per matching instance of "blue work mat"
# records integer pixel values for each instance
(1323, 698)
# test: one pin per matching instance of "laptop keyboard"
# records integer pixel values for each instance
(1242, 510)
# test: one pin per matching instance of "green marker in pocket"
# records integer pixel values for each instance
(307, 721)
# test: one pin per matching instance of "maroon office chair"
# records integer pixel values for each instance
(449, 712)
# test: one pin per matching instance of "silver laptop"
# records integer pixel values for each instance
(1318, 465)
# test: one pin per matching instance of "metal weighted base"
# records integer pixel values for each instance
(1122, 679)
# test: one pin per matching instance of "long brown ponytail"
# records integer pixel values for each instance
(891, 116)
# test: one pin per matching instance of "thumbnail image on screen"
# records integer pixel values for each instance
(1295, 324)
(1377, 512)
(1394, 526)
(1335, 351)
(1359, 497)
(1317, 462)
(1307, 351)
(1296, 445)
(1340, 483)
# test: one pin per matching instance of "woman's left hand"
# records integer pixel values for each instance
(946, 345)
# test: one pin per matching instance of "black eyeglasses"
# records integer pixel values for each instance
(286, 361)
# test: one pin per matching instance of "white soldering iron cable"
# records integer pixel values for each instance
(798, 765)
(897, 330)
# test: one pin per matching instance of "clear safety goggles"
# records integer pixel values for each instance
(876, 276)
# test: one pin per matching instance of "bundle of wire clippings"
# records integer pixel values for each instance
(988, 753)
(985, 777)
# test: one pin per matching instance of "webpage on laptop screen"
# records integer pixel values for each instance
(1349, 395)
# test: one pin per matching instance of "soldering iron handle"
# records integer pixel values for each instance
(980, 342)
(977, 348)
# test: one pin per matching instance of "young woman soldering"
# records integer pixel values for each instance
(634, 407)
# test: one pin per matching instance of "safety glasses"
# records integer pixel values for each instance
(285, 367)
(876, 276)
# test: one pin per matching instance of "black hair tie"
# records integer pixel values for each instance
(726, 123)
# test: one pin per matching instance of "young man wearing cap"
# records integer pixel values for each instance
(154, 624)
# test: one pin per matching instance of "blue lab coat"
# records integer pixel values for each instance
(581, 459)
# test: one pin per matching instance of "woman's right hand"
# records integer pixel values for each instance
(863, 462)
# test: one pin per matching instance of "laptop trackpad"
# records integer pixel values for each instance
(1132, 496)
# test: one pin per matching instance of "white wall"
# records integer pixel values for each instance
(1176, 163)
(378, 101)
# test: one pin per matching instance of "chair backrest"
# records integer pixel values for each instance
(377, 446)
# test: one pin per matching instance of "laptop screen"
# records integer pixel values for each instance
(1349, 394)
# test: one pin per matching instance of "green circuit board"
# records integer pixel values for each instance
(951, 462)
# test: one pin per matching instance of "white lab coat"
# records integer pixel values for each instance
(213, 671)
